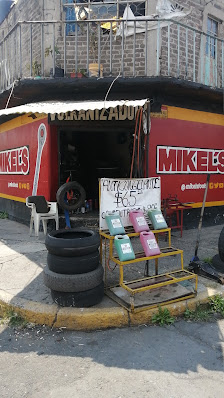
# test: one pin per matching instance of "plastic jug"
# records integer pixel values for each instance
(138, 221)
(124, 247)
(114, 224)
(149, 243)
(158, 221)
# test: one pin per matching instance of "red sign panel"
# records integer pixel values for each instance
(182, 153)
(25, 156)
(15, 161)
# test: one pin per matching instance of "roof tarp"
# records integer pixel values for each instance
(167, 12)
(68, 106)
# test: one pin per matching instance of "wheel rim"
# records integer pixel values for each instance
(73, 197)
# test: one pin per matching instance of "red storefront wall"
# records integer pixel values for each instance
(184, 146)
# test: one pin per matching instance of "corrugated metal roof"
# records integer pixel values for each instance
(68, 106)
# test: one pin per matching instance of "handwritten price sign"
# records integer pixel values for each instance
(121, 196)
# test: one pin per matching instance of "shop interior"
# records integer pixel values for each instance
(87, 156)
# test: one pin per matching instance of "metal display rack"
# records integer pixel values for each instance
(147, 283)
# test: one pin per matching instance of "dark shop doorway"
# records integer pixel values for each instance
(88, 156)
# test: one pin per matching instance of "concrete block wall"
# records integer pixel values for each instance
(197, 19)
(32, 10)
(21, 11)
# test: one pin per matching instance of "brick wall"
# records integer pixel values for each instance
(191, 45)
(134, 51)
(115, 52)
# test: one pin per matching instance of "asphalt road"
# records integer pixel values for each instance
(183, 360)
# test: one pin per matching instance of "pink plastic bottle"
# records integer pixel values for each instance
(138, 221)
(149, 243)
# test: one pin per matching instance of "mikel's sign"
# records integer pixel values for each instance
(15, 161)
(180, 160)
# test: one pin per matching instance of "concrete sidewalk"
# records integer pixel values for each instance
(22, 259)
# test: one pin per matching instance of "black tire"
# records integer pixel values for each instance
(221, 245)
(84, 299)
(73, 265)
(73, 283)
(218, 264)
(78, 195)
(72, 242)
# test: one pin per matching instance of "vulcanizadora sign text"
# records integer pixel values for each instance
(113, 113)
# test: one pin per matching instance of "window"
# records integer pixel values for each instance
(69, 16)
(212, 29)
(98, 9)
(106, 9)
(137, 7)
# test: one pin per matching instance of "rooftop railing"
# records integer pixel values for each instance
(129, 48)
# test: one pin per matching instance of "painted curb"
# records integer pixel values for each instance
(178, 308)
(55, 316)
(91, 318)
(95, 318)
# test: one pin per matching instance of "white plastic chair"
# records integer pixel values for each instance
(37, 204)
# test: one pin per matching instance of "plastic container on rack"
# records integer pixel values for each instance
(158, 221)
(124, 247)
(149, 243)
(114, 224)
(138, 221)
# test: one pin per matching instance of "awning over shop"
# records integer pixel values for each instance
(52, 107)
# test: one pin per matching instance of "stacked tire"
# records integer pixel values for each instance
(73, 272)
(218, 259)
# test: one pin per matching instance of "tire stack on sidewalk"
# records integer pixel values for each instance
(73, 272)
(218, 259)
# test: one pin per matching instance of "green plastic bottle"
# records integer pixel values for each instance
(158, 221)
(124, 247)
(114, 224)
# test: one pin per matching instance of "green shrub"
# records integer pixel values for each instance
(201, 313)
(216, 304)
(163, 317)
(3, 214)
(11, 318)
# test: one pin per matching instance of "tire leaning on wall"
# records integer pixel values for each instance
(77, 192)
(218, 264)
(221, 245)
